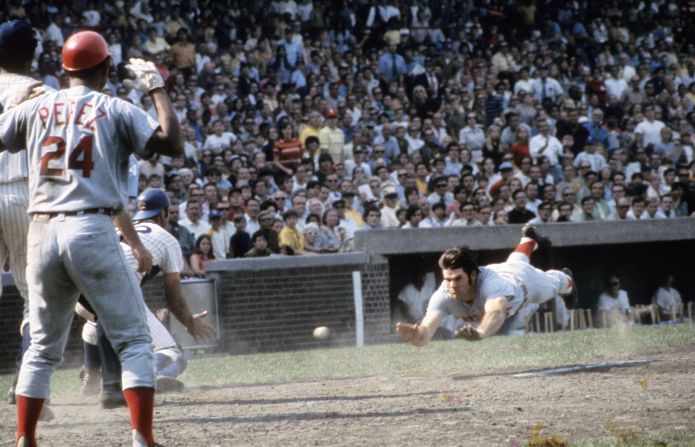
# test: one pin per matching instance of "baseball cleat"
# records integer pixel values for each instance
(24, 442)
(571, 297)
(91, 382)
(168, 385)
(112, 397)
(531, 232)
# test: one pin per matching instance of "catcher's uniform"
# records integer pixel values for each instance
(524, 286)
(78, 143)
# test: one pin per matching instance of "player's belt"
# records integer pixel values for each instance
(105, 211)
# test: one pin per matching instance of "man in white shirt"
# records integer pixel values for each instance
(545, 144)
(615, 85)
(193, 221)
(220, 139)
(649, 130)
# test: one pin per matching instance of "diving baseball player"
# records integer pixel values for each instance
(17, 45)
(490, 299)
(78, 142)
(152, 214)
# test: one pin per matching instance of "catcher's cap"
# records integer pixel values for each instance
(17, 38)
(150, 203)
(83, 50)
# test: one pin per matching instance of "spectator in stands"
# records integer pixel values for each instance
(266, 219)
(218, 237)
(260, 246)
(613, 304)
(291, 239)
(520, 214)
(240, 242)
(331, 233)
(287, 151)
(587, 210)
(201, 254)
(193, 221)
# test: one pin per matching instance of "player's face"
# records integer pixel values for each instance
(459, 284)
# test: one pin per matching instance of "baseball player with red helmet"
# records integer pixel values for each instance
(492, 299)
(78, 142)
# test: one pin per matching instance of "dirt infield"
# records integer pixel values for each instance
(485, 410)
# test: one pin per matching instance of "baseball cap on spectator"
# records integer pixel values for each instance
(330, 113)
(214, 214)
(506, 166)
(389, 192)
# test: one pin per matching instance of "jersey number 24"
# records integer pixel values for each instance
(55, 150)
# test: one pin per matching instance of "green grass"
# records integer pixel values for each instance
(498, 354)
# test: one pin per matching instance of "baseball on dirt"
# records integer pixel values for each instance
(322, 333)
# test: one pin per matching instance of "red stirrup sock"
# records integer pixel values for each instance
(141, 406)
(28, 412)
(526, 246)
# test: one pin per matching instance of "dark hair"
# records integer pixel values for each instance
(198, 241)
(586, 199)
(410, 212)
(289, 213)
(459, 257)
(257, 234)
(369, 209)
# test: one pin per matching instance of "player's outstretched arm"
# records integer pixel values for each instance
(419, 334)
(167, 139)
(125, 225)
(177, 305)
(495, 314)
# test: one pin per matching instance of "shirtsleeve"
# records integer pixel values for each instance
(13, 127)
(137, 126)
(173, 259)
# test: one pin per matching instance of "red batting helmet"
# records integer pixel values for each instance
(83, 50)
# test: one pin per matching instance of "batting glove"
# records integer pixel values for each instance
(147, 77)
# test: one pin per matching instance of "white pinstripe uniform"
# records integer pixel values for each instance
(14, 199)
(166, 254)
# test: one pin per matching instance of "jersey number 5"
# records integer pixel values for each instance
(55, 150)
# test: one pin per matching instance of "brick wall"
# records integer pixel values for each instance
(264, 305)
(277, 309)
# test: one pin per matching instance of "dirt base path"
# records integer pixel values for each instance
(488, 410)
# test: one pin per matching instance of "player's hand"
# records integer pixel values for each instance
(199, 330)
(468, 333)
(408, 332)
(27, 92)
(143, 257)
(147, 77)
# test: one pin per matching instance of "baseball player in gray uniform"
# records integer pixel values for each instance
(497, 298)
(78, 143)
(152, 213)
(17, 46)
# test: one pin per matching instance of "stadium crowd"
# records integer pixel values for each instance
(308, 121)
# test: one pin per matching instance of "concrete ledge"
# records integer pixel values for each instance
(429, 240)
(286, 262)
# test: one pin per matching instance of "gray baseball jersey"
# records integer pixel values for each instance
(493, 281)
(79, 142)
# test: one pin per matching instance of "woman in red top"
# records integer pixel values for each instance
(519, 149)
(201, 253)
(287, 151)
